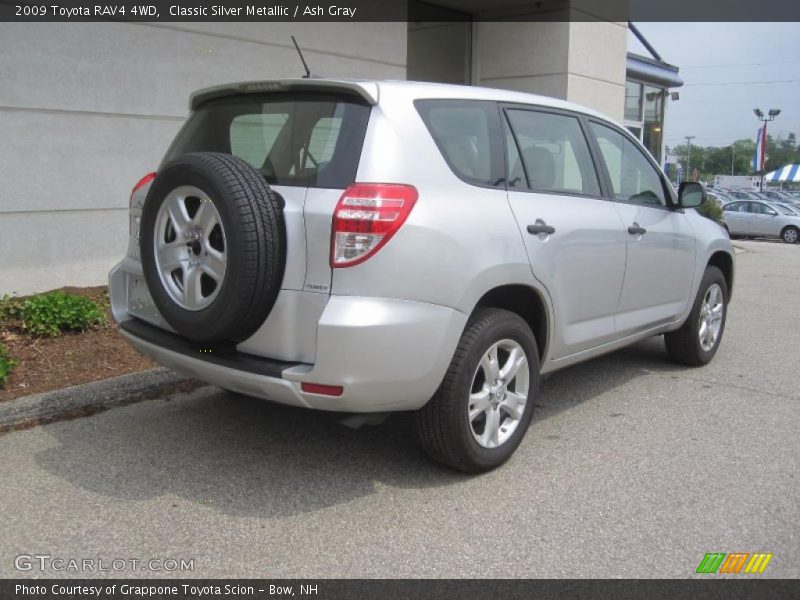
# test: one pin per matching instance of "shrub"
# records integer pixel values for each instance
(711, 210)
(9, 308)
(6, 364)
(54, 312)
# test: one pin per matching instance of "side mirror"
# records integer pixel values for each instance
(691, 194)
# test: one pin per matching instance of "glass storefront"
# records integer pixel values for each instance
(644, 114)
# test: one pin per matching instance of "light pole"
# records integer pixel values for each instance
(689, 139)
(770, 116)
(733, 158)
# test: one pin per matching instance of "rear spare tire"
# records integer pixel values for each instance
(213, 246)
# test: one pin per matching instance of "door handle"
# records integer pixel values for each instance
(541, 227)
(636, 229)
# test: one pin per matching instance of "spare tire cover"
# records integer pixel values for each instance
(213, 246)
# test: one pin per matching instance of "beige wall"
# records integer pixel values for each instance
(87, 109)
(581, 61)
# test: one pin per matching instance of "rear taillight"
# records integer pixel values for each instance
(142, 182)
(366, 217)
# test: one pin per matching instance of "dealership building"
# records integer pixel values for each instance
(86, 109)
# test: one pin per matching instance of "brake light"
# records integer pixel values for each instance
(366, 217)
(142, 182)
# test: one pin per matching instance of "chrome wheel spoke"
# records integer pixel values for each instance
(491, 430)
(716, 312)
(205, 218)
(516, 359)
(178, 215)
(478, 403)
(214, 265)
(489, 364)
(172, 256)
(514, 405)
(191, 285)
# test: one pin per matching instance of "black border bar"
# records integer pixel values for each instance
(418, 589)
(399, 10)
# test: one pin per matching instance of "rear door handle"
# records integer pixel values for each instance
(541, 227)
(636, 229)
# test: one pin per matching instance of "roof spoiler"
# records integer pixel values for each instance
(368, 91)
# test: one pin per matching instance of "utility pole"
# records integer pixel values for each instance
(689, 139)
(770, 116)
(733, 157)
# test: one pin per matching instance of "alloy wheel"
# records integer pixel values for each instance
(190, 248)
(499, 393)
(711, 313)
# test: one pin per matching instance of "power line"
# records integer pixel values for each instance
(742, 82)
(755, 64)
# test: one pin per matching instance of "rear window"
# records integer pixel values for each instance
(309, 140)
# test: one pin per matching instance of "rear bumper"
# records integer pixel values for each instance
(387, 355)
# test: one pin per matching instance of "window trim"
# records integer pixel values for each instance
(496, 152)
(669, 195)
(601, 183)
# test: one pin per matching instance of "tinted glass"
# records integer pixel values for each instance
(554, 152)
(760, 209)
(633, 177)
(306, 140)
(633, 101)
(462, 131)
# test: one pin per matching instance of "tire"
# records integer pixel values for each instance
(685, 346)
(790, 235)
(222, 283)
(444, 426)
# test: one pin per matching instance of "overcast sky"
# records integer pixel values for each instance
(726, 54)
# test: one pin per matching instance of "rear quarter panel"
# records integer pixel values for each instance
(459, 241)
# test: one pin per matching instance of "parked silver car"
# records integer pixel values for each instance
(762, 219)
(368, 247)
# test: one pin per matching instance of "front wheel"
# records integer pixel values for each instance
(790, 235)
(484, 405)
(697, 341)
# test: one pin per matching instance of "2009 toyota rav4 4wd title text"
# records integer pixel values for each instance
(363, 246)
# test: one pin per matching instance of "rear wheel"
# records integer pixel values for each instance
(483, 407)
(697, 341)
(790, 235)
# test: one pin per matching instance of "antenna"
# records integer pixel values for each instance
(300, 52)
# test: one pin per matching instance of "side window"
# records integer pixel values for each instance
(760, 209)
(463, 131)
(736, 207)
(633, 178)
(553, 153)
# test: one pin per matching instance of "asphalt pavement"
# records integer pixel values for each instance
(633, 467)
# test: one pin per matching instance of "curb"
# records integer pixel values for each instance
(90, 398)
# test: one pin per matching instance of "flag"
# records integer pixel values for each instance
(761, 146)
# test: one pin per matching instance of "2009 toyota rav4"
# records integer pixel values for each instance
(364, 246)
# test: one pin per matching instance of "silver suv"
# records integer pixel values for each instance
(371, 246)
